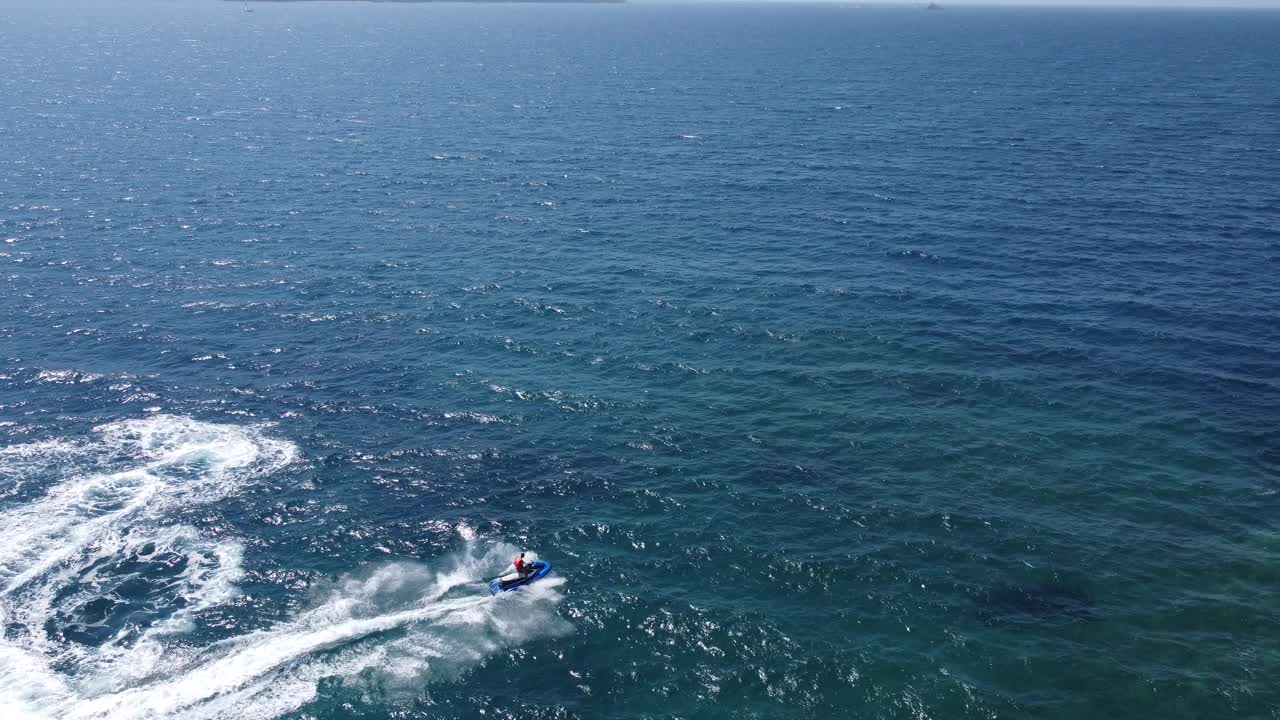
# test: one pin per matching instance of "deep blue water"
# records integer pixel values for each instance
(846, 362)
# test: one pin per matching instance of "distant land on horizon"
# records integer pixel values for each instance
(454, 1)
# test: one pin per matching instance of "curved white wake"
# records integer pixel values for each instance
(103, 519)
(266, 673)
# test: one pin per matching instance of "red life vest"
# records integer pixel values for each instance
(518, 563)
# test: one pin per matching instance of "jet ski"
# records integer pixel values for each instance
(512, 581)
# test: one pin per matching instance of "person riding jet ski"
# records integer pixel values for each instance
(522, 568)
(526, 571)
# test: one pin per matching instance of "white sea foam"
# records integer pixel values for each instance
(107, 507)
(172, 460)
(108, 499)
(266, 673)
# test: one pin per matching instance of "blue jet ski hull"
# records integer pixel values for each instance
(540, 570)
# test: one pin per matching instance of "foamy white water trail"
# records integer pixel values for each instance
(104, 518)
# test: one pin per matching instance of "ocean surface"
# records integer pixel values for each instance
(846, 362)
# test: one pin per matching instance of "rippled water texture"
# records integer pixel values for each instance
(871, 363)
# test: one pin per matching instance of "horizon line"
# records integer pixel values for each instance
(857, 4)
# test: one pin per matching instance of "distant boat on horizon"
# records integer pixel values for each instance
(933, 6)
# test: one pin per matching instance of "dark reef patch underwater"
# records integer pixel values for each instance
(846, 362)
(1034, 603)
